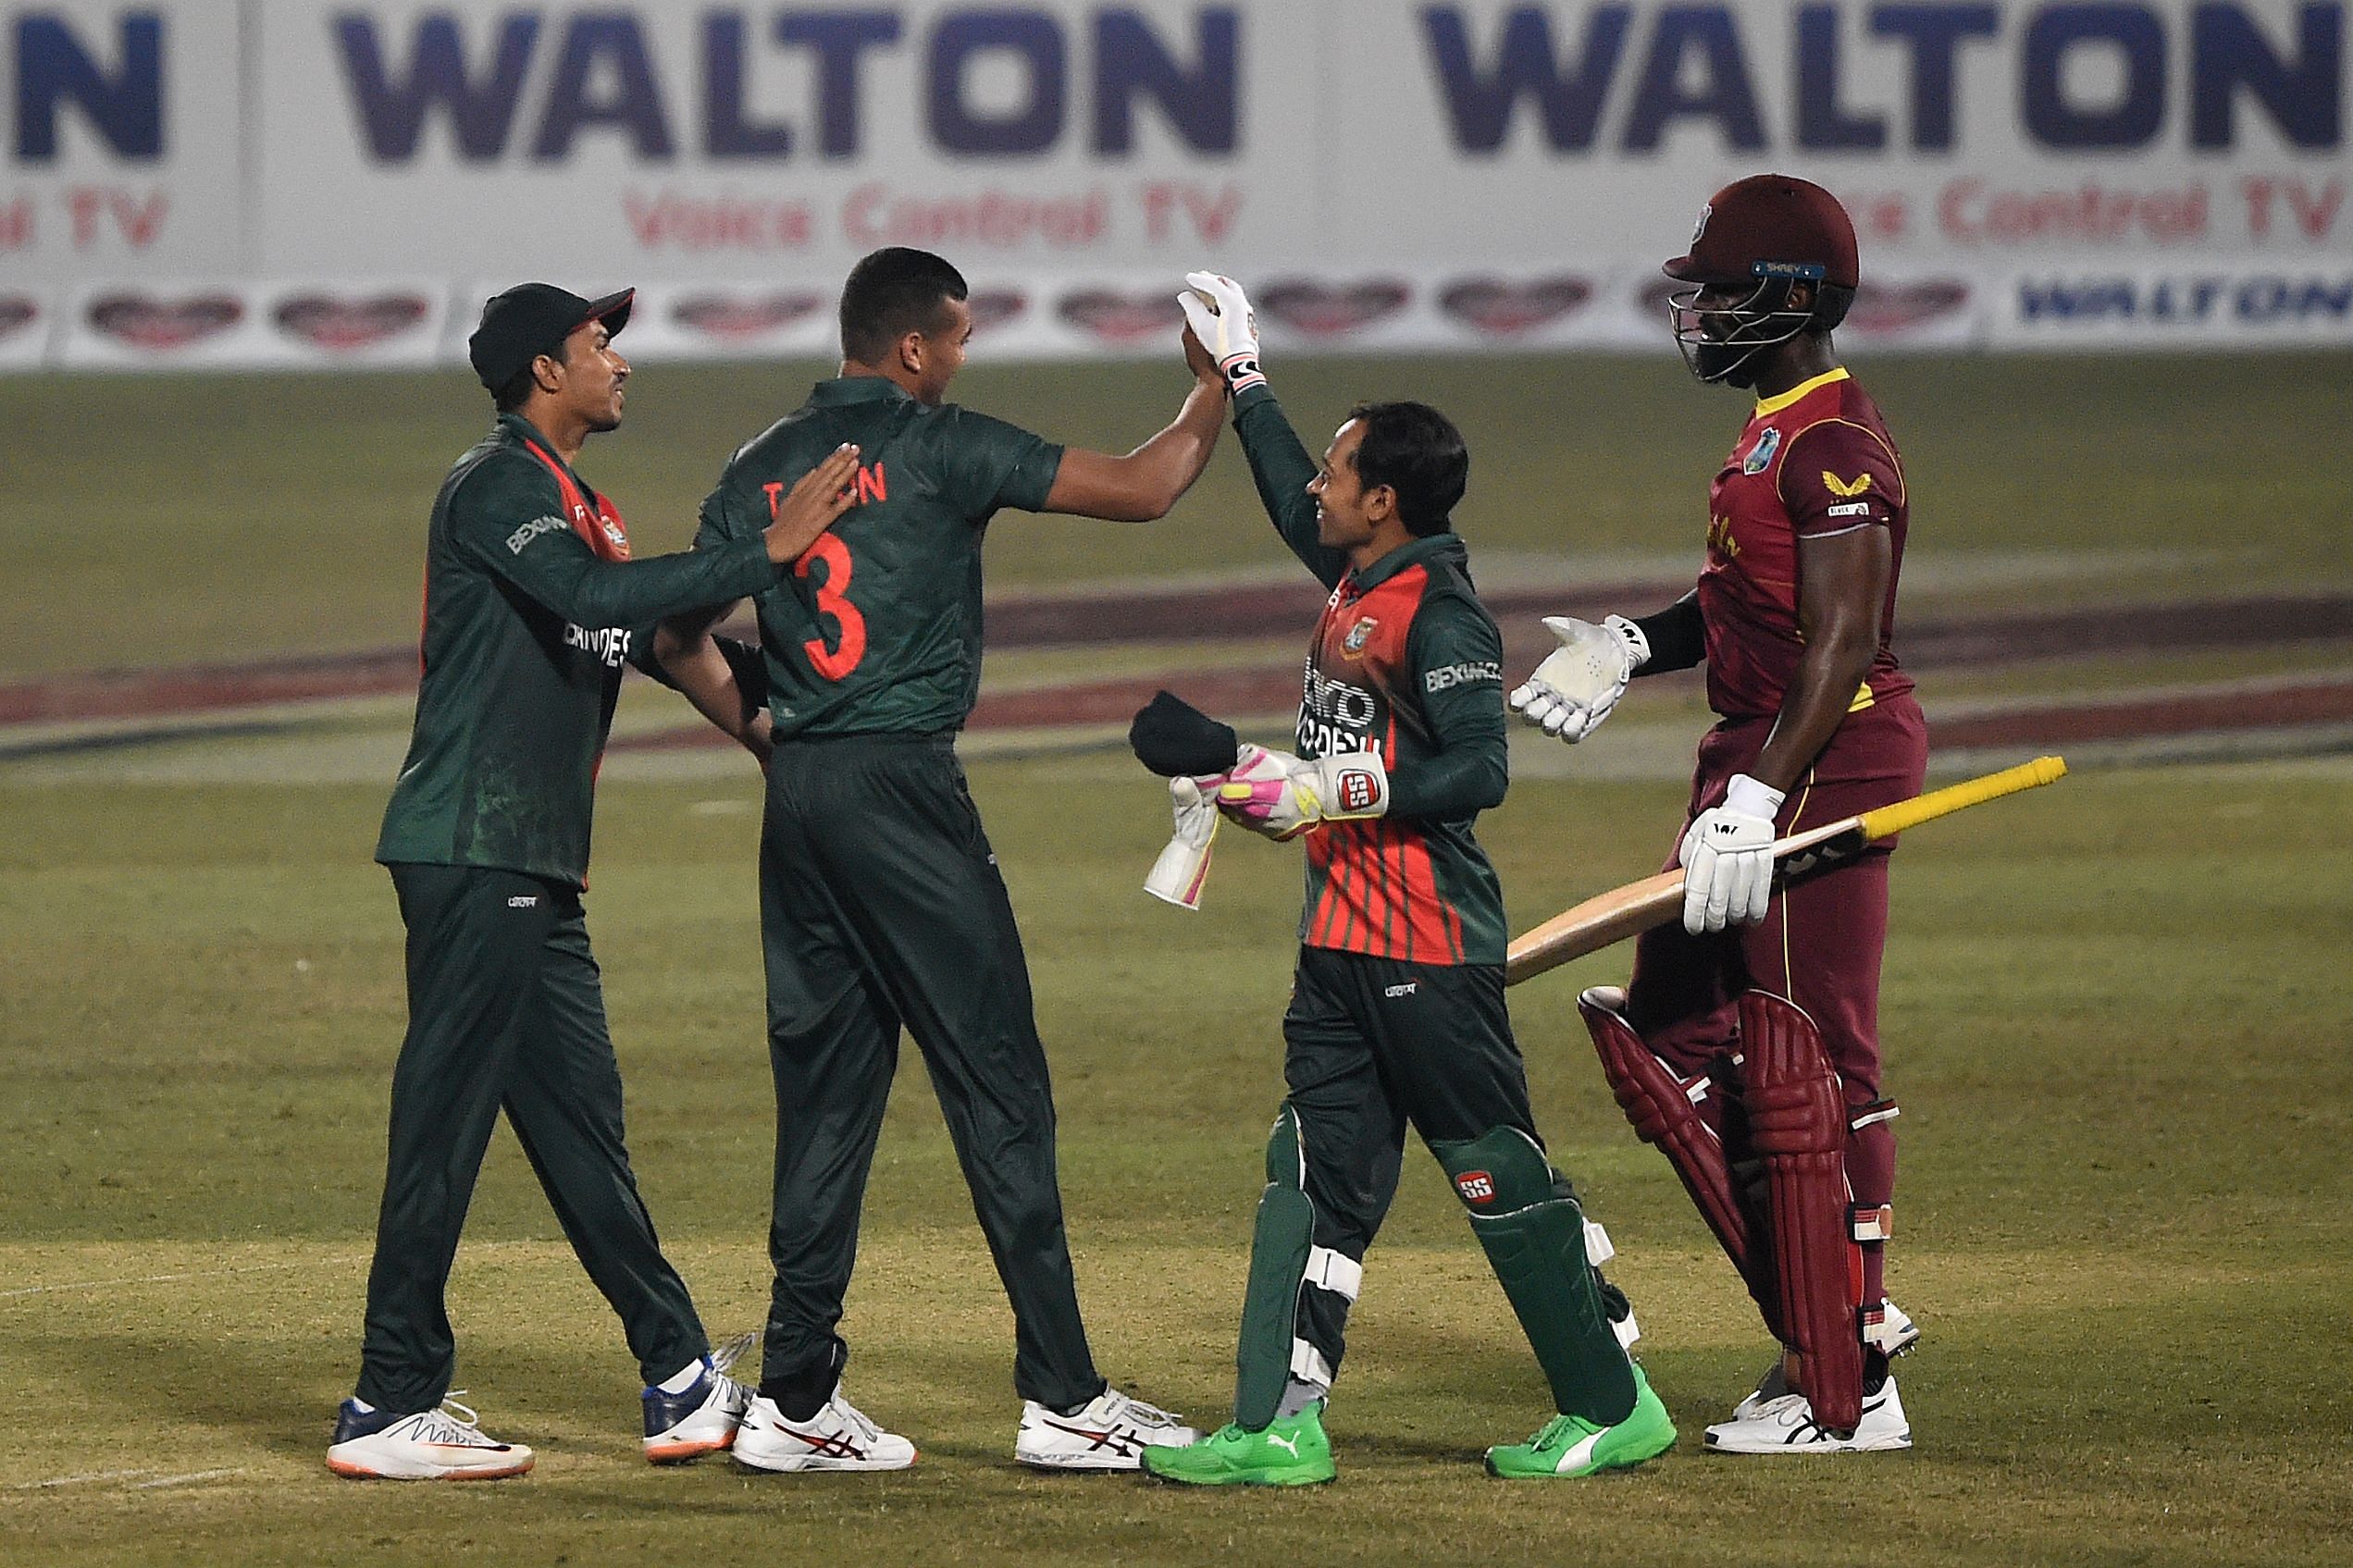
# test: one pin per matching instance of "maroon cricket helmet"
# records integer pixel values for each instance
(1770, 226)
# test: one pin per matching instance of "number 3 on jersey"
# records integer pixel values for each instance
(836, 662)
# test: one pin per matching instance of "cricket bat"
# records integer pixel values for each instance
(1636, 907)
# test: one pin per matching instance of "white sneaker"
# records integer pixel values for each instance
(1786, 1424)
(432, 1445)
(839, 1436)
(1891, 1335)
(1110, 1433)
(701, 1420)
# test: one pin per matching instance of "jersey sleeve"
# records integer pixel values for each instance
(1838, 475)
(1454, 656)
(1280, 467)
(987, 463)
(508, 518)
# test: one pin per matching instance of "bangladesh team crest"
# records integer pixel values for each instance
(1353, 645)
(1760, 455)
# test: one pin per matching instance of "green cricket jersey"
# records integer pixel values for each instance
(1407, 663)
(529, 596)
(877, 629)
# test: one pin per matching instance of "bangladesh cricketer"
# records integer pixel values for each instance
(1397, 1011)
(530, 592)
(880, 903)
(1749, 1036)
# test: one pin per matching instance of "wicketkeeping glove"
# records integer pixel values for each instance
(1220, 315)
(1183, 868)
(1280, 795)
(1728, 858)
(1574, 689)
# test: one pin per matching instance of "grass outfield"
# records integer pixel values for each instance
(2115, 1010)
(168, 519)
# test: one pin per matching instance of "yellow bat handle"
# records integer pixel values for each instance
(1891, 820)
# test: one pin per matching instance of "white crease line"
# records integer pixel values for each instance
(78, 1480)
(183, 1480)
(471, 1247)
(153, 1278)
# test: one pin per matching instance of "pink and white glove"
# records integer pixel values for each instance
(1280, 795)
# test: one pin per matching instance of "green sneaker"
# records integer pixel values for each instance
(1291, 1453)
(1567, 1446)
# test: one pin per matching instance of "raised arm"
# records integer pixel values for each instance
(1221, 328)
(1147, 482)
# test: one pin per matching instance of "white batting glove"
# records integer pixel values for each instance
(1220, 315)
(1574, 689)
(1728, 858)
(1280, 795)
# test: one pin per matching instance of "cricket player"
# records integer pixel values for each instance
(1748, 1037)
(531, 591)
(880, 903)
(1397, 1010)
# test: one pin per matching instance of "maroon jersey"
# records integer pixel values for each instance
(1813, 461)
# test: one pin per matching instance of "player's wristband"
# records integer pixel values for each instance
(1752, 797)
(1241, 372)
(1677, 636)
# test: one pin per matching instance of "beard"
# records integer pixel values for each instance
(1730, 365)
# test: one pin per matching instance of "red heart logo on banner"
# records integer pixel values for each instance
(743, 315)
(160, 326)
(333, 322)
(1322, 310)
(995, 307)
(1882, 308)
(1121, 318)
(16, 311)
(1492, 306)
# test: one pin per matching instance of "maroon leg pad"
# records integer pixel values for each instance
(1798, 1123)
(1654, 1100)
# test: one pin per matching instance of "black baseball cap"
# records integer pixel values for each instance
(531, 319)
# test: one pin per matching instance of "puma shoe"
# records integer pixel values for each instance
(1110, 1432)
(1292, 1451)
(1786, 1424)
(1568, 1444)
(701, 1419)
(839, 1436)
(431, 1445)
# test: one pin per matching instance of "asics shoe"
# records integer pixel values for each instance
(1568, 1444)
(1109, 1432)
(839, 1436)
(701, 1420)
(431, 1445)
(1292, 1451)
(1786, 1424)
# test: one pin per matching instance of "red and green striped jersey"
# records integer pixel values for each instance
(1407, 663)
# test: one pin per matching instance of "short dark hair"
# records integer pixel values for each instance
(890, 293)
(1416, 451)
(518, 388)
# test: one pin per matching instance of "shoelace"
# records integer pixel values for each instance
(452, 1423)
(1143, 1414)
(856, 1419)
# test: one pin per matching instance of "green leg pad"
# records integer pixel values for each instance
(1278, 1264)
(1526, 1219)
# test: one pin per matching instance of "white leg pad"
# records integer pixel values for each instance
(1309, 1365)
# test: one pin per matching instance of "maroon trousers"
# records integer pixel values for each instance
(1821, 939)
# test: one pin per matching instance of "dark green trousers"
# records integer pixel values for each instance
(881, 905)
(504, 1010)
(1370, 1045)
